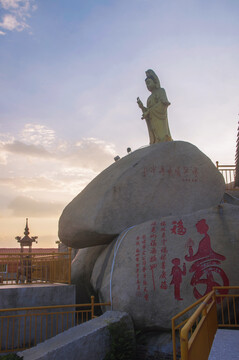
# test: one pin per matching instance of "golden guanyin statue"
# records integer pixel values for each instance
(155, 113)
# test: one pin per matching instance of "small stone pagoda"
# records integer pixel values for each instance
(26, 240)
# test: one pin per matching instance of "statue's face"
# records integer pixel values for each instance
(150, 84)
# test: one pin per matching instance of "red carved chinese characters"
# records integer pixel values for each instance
(206, 263)
(153, 252)
(137, 259)
(177, 274)
(163, 257)
(195, 174)
(183, 173)
(144, 268)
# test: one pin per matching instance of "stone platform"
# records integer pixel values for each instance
(13, 296)
(24, 329)
(225, 345)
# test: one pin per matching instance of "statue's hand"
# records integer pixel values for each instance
(139, 102)
(145, 114)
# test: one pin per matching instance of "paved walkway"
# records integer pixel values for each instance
(225, 345)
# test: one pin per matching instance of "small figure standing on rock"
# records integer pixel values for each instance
(155, 113)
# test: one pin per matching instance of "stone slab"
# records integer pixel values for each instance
(225, 345)
(86, 341)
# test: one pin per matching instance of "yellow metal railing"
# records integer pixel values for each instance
(178, 321)
(228, 172)
(30, 268)
(196, 332)
(22, 328)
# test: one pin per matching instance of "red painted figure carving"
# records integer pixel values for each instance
(206, 263)
(189, 245)
(177, 277)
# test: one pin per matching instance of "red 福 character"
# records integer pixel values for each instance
(205, 264)
(177, 277)
(178, 228)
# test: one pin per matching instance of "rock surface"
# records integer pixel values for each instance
(164, 265)
(81, 270)
(163, 179)
(230, 199)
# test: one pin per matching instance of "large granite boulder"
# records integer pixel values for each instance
(81, 270)
(158, 268)
(163, 179)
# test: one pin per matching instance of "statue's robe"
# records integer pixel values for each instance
(157, 119)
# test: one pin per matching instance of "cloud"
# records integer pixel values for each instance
(31, 150)
(31, 183)
(37, 134)
(40, 173)
(3, 157)
(16, 14)
(39, 141)
(66, 180)
(8, 4)
(47, 165)
(90, 153)
(24, 206)
(10, 23)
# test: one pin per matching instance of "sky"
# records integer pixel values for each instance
(70, 73)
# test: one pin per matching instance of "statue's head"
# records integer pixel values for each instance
(202, 226)
(176, 261)
(152, 81)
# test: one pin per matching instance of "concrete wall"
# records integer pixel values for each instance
(24, 331)
(88, 341)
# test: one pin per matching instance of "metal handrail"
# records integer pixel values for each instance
(22, 328)
(198, 330)
(228, 172)
(188, 346)
(179, 326)
(36, 268)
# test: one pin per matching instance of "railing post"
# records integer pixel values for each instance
(92, 306)
(69, 270)
(184, 345)
(53, 269)
(174, 340)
